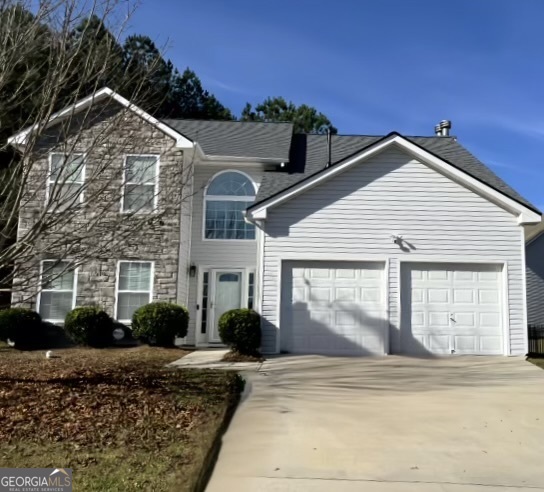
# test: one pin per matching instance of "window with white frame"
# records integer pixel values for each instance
(140, 183)
(58, 290)
(226, 198)
(66, 179)
(134, 287)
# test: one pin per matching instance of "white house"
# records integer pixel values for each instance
(348, 245)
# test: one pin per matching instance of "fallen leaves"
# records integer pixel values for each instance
(91, 398)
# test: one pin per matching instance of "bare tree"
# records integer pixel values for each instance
(69, 188)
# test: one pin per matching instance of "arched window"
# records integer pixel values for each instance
(226, 198)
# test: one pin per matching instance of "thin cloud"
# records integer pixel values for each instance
(211, 81)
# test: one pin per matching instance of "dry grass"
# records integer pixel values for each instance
(117, 417)
(233, 356)
(537, 361)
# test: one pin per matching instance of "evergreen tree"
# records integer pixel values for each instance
(306, 119)
(190, 100)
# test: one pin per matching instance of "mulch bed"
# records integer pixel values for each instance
(233, 356)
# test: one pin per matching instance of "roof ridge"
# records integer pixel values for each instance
(448, 137)
(230, 121)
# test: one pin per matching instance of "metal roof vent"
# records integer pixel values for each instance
(443, 128)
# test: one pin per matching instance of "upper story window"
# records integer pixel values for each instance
(66, 179)
(141, 176)
(225, 200)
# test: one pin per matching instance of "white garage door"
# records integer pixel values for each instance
(333, 308)
(451, 309)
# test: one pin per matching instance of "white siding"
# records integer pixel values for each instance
(353, 216)
(222, 254)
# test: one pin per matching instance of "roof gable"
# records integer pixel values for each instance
(477, 180)
(309, 156)
(21, 138)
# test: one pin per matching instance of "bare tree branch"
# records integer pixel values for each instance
(61, 192)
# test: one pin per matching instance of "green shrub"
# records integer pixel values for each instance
(160, 322)
(240, 329)
(22, 326)
(89, 325)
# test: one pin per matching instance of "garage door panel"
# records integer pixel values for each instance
(345, 319)
(437, 275)
(488, 276)
(418, 296)
(451, 309)
(333, 307)
(439, 343)
(418, 318)
(487, 296)
(345, 294)
(490, 345)
(348, 273)
(467, 344)
(489, 320)
(439, 296)
(372, 295)
(438, 319)
(464, 320)
(464, 275)
(320, 273)
(320, 294)
(372, 344)
(464, 296)
(299, 294)
(372, 273)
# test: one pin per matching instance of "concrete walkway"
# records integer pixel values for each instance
(459, 424)
(212, 359)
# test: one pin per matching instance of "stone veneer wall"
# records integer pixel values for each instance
(158, 240)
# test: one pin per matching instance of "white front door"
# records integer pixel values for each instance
(452, 309)
(226, 294)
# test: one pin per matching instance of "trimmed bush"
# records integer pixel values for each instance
(158, 323)
(89, 325)
(22, 326)
(240, 329)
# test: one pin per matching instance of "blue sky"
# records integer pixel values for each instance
(377, 66)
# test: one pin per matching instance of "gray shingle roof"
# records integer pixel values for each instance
(532, 232)
(238, 138)
(309, 156)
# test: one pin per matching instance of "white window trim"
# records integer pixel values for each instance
(117, 291)
(232, 198)
(50, 181)
(74, 289)
(155, 184)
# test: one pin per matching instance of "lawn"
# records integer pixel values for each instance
(537, 361)
(117, 417)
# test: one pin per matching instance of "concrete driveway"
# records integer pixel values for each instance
(387, 424)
